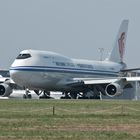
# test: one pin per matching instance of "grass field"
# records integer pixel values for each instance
(69, 119)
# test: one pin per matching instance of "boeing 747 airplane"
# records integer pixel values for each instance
(48, 71)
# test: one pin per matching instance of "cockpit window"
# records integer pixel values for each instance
(23, 56)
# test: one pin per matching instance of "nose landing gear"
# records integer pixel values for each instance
(27, 94)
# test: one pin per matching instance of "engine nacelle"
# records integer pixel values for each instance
(113, 89)
(5, 90)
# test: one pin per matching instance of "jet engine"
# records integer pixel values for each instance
(113, 89)
(5, 90)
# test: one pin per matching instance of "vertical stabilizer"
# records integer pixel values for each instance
(118, 50)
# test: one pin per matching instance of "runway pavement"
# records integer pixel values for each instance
(18, 94)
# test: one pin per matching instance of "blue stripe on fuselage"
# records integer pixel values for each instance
(63, 70)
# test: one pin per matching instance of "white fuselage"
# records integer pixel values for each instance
(47, 70)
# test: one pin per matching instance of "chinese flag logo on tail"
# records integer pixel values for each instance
(121, 45)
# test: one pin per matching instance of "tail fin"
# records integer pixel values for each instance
(118, 50)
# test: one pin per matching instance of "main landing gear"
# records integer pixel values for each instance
(43, 94)
(80, 95)
(69, 95)
(46, 95)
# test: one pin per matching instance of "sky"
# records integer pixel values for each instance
(75, 28)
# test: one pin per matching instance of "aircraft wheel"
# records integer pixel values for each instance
(62, 97)
(29, 96)
(73, 95)
(65, 97)
(24, 96)
(68, 97)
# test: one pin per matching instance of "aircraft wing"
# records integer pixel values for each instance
(130, 70)
(107, 86)
(132, 79)
(75, 82)
(8, 81)
(3, 79)
(99, 81)
(92, 81)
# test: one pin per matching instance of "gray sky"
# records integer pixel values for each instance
(75, 28)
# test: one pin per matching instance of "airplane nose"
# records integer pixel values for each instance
(14, 75)
(19, 76)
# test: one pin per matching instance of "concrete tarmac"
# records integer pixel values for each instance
(18, 94)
